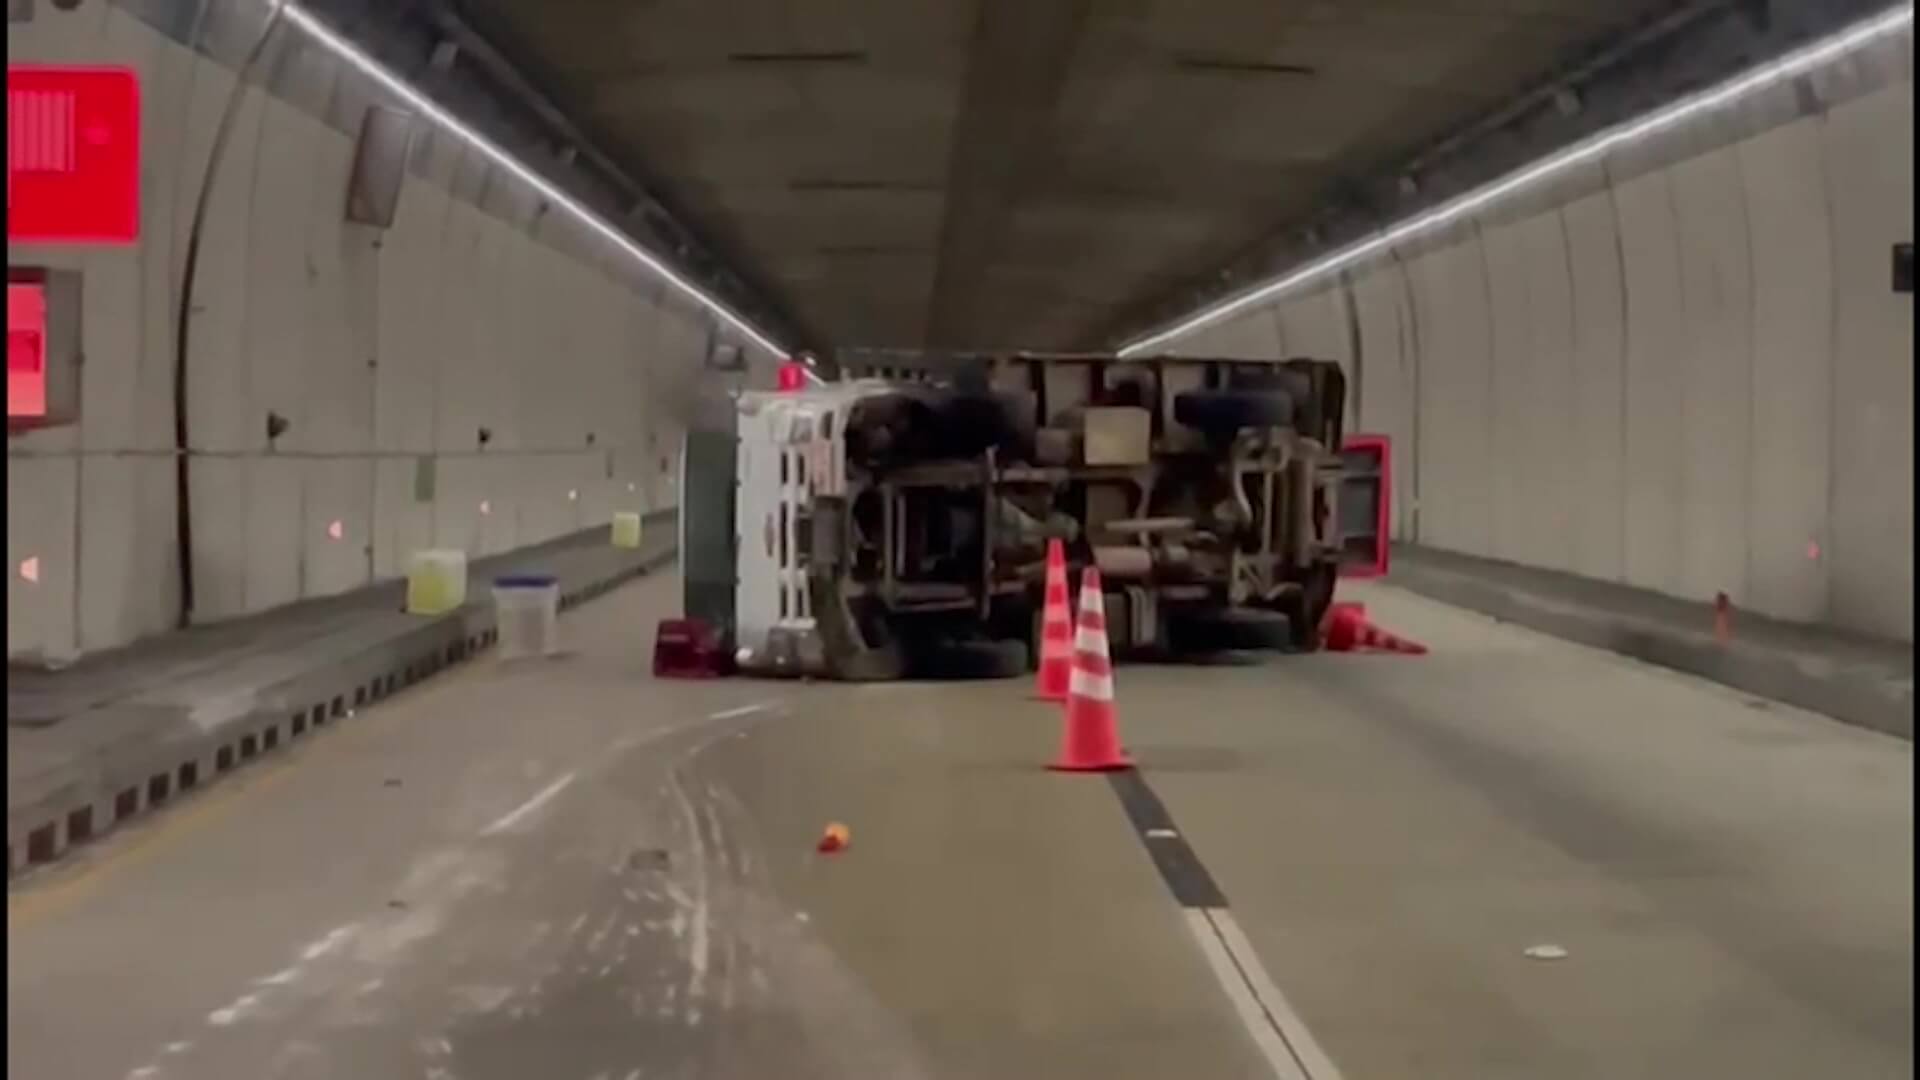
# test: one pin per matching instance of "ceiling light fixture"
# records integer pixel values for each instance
(346, 50)
(1800, 61)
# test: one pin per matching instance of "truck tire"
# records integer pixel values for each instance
(971, 660)
(1235, 630)
(1322, 399)
(1289, 376)
(1228, 412)
(969, 423)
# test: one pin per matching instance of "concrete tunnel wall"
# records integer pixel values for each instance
(386, 349)
(1684, 369)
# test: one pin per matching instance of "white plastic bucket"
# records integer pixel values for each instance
(526, 609)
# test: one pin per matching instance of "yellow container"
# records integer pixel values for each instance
(436, 581)
(626, 530)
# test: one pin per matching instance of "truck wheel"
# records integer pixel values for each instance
(973, 660)
(1228, 412)
(1235, 630)
(970, 423)
(1323, 401)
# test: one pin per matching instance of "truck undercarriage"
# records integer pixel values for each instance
(1203, 490)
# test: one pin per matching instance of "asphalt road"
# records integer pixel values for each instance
(569, 870)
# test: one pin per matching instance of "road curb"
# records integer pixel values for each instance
(146, 758)
(1861, 695)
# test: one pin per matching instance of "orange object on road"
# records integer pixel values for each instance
(1090, 741)
(835, 839)
(1056, 630)
(1348, 630)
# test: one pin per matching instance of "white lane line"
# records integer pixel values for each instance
(1277, 1030)
(744, 710)
(334, 939)
(529, 806)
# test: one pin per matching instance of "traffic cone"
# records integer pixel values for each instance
(1340, 625)
(1348, 630)
(1056, 630)
(1374, 639)
(1090, 741)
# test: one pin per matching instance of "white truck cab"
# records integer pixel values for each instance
(791, 448)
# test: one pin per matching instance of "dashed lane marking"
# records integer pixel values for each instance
(1277, 1030)
(521, 812)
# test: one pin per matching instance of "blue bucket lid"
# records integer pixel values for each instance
(525, 581)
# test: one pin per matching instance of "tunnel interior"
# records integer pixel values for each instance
(333, 323)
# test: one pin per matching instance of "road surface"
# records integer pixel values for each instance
(569, 870)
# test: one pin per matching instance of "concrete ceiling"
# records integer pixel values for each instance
(978, 173)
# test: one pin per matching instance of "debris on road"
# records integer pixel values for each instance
(835, 839)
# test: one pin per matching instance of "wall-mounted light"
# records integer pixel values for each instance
(485, 508)
(30, 569)
(1893, 21)
(336, 530)
(573, 495)
(346, 50)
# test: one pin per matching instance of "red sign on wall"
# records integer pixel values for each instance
(73, 155)
(26, 351)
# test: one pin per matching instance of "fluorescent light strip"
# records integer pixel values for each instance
(372, 69)
(1786, 67)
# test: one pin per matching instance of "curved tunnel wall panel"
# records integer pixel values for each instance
(384, 349)
(1655, 381)
(1451, 303)
(1383, 399)
(1512, 505)
(1715, 362)
(1868, 152)
(1792, 248)
(1595, 484)
(1543, 409)
(1689, 374)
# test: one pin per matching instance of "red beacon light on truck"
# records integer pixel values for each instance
(793, 377)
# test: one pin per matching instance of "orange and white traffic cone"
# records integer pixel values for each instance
(1349, 630)
(1373, 639)
(1341, 626)
(1056, 630)
(1090, 741)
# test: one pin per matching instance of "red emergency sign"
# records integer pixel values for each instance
(793, 376)
(73, 155)
(26, 351)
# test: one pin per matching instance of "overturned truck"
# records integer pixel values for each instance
(895, 523)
